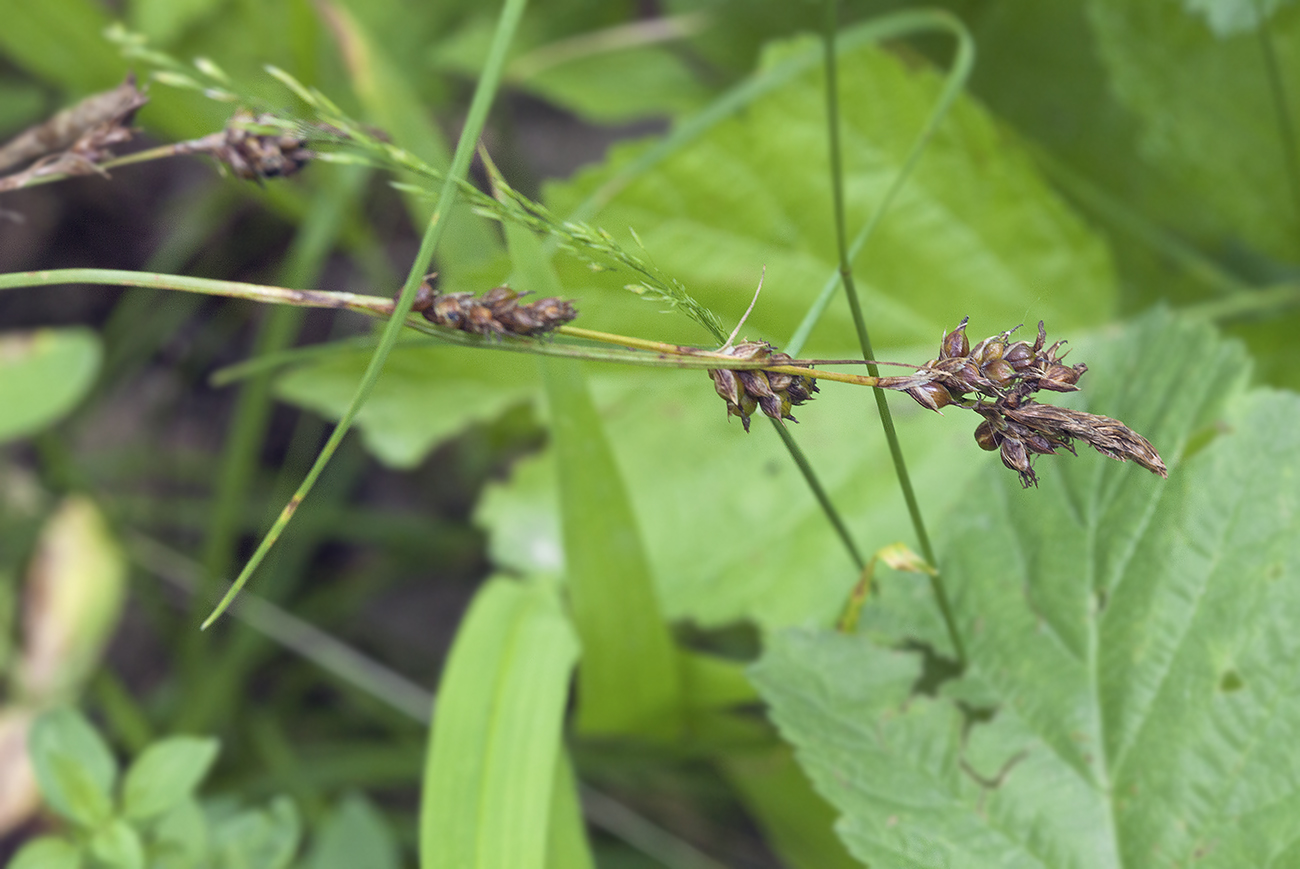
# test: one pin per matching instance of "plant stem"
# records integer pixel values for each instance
(820, 493)
(372, 305)
(831, 24)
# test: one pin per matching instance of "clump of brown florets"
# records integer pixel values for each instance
(992, 367)
(1003, 376)
(496, 312)
(249, 152)
(773, 392)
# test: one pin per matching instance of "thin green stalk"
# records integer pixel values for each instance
(483, 94)
(963, 64)
(204, 286)
(1285, 128)
(820, 493)
(279, 328)
(831, 24)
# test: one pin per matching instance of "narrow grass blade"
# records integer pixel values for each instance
(393, 105)
(506, 24)
(628, 680)
(495, 742)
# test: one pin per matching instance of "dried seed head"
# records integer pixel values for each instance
(498, 312)
(1015, 457)
(256, 156)
(954, 343)
(932, 395)
(747, 390)
(1110, 437)
(985, 436)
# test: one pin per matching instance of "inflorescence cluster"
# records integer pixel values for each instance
(1003, 376)
(496, 312)
(997, 379)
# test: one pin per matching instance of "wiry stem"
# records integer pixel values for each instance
(846, 274)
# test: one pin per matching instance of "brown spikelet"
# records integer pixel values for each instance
(773, 392)
(255, 156)
(496, 312)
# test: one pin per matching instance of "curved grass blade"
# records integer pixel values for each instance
(483, 93)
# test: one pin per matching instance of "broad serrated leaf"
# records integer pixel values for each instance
(976, 231)
(43, 374)
(1128, 700)
(73, 765)
(167, 773)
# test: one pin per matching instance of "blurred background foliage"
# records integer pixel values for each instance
(1107, 157)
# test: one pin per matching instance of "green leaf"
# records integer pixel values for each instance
(976, 231)
(117, 846)
(566, 839)
(426, 396)
(47, 852)
(167, 773)
(1129, 698)
(164, 20)
(355, 834)
(62, 41)
(74, 767)
(617, 87)
(1209, 124)
(628, 678)
(390, 101)
(181, 836)
(43, 375)
(496, 732)
(628, 681)
(258, 838)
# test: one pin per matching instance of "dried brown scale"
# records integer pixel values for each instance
(250, 155)
(997, 378)
(747, 390)
(104, 118)
(497, 312)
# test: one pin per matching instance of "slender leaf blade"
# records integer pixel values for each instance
(496, 732)
(628, 681)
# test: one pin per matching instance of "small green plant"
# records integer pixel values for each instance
(148, 814)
